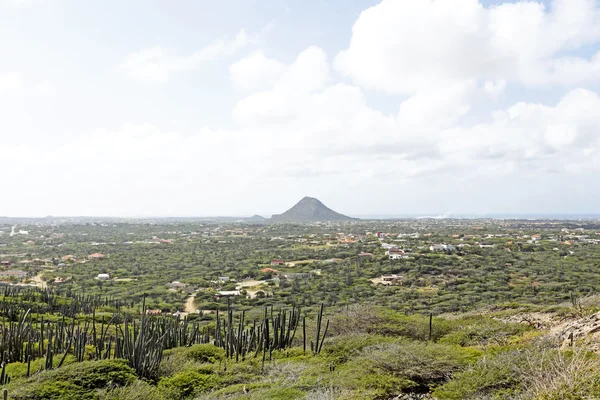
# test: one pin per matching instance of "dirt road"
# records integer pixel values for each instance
(38, 280)
(189, 304)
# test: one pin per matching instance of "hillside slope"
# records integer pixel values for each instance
(310, 209)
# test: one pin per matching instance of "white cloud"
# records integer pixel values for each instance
(288, 93)
(256, 72)
(494, 88)
(407, 46)
(10, 81)
(533, 138)
(156, 64)
(335, 140)
(299, 129)
(15, 3)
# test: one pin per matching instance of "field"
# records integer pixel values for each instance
(202, 309)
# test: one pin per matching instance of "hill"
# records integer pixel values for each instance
(310, 209)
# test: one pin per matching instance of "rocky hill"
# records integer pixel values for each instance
(310, 209)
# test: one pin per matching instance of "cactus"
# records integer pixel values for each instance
(318, 345)
(430, 326)
(4, 378)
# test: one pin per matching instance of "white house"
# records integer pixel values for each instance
(226, 293)
(103, 277)
(396, 254)
(442, 247)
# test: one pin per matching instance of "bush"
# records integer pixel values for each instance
(52, 390)
(534, 373)
(355, 319)
(497, 375)
(75, 381)
(182, 358)
(425, 364)
(206, 353)
(483, 331)
(413, 326)
(185, 384)
(341, 348)
(137, 391)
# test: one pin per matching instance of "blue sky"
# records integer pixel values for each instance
(145, 108)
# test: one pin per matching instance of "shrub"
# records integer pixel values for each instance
(137, 391)
(206, 353)
(341, 348)
(425, 364)
(52, 390)
(498, 375)
(75, 381)
(355, 319)
(413, 326)
(182, 358)
(185, 384)
(482, 331)
(535, 373)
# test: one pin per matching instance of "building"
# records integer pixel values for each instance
(396, 254)
(267, 270)
(277, 262)
(391, 278)
(96, 256)
(176, 285)
(224, 279)
(103, 277)
(227, 293)
(299, 275)
(442, 247)
(5, 264)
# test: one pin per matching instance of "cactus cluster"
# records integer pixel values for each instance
(26, 335)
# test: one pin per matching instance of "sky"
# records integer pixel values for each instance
(241, 107)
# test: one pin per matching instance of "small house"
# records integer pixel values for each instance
(176, 285)
(299, 275)
(103, 277)
(277, 262)
(227, 293)
(442, 247)
(391, 278)
(96, 256)
(271, 270)
(396, 254)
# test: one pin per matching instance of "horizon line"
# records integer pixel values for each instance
(440, 216)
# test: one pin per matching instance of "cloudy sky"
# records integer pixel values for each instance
(236, 107)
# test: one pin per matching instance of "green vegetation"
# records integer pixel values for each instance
(483, 318)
